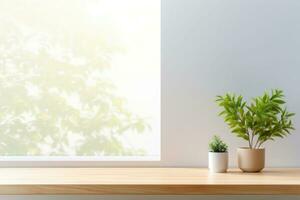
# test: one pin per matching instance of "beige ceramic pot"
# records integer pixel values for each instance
(251, 160)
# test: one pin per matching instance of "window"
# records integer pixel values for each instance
(80, 78)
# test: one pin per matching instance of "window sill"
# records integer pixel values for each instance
(154, 181)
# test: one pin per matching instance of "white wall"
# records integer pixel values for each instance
(210, 47)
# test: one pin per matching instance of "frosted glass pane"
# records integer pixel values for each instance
(80, 78)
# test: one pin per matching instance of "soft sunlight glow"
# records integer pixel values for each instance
(80, 78)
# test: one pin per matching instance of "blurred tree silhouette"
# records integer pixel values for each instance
(55, 97)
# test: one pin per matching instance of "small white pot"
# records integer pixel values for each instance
(218, 161)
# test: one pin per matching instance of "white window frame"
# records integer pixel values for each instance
(85, 161)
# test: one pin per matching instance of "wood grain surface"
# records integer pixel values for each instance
(154, 181)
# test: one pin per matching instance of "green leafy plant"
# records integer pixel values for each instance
(264, 119)
(217, 145)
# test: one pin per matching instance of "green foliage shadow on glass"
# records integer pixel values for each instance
(264, 119)
(217, 145)
(55, 97)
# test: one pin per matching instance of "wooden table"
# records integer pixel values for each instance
(144, 181)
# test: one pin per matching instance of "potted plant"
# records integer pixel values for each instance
(217, 155)
(264, 119)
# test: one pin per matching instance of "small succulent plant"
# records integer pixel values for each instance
(217, 145)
